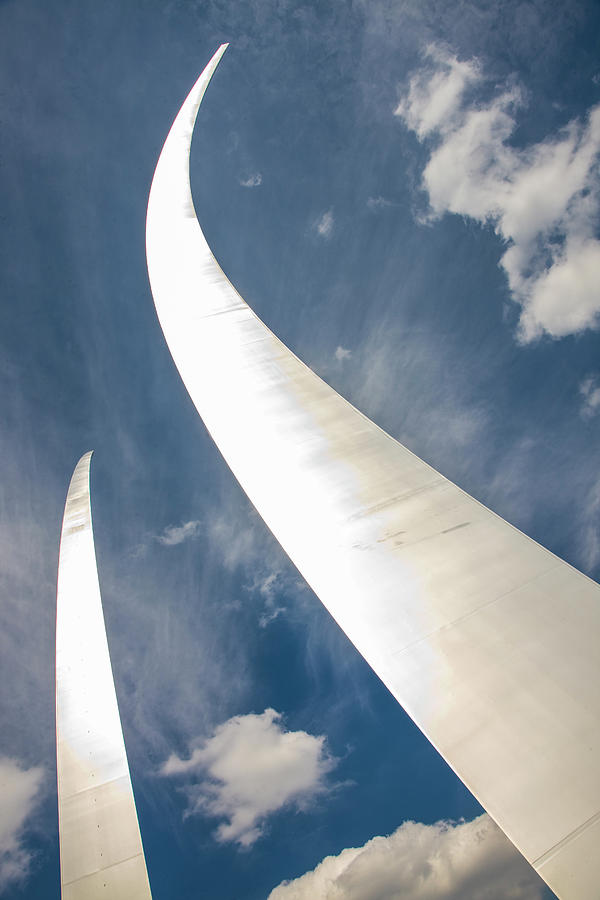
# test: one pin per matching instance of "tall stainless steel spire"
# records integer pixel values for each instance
(101, 854)
(486, 639)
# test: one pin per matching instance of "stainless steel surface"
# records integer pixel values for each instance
(101, 854)
(487, 640)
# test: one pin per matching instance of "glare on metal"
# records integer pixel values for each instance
(488, 641)
(101, 854)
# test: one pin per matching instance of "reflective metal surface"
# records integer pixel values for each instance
(486, 639)
(101, 854)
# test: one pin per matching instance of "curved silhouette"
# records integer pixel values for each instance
(487, 640)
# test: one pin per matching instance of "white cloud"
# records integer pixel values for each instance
(270, 614)
(378, 202)
(590, 391)
(237, 544)
(19, 790)
(543, 200)
(177, 534)
(251, 548)
(341, 353)
(324, 224)
(269, 587)
(435, 94)
(250, 768)
(252, 181)
(445, 861)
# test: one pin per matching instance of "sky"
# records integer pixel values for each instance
(408, 194)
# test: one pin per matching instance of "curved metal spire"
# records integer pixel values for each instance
(487, 640)
(101, 854)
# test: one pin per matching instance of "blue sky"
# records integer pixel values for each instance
(408, 194)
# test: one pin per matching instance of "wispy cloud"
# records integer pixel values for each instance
(19, 789)
(251, 181)
(590, 392)
(589, 531)
(378, 202)
(447, 415)
(242, 545)
(445, 861)
(250, 768)
(543, 200)
(236, 538)
(342, 353)
(269, 615)
(251, 549)
(177, 534)
(269, 587)
(324, 224)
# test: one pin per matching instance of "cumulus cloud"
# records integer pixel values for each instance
(590, 392)
(249, 769)
(542, 200)
(177, 534)
(435, 94)
(341, 353)
(19, 790)
(445, 861)
(252, 180)
(324, 224)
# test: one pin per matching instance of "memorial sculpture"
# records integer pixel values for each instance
(101, 853)
(488, 640)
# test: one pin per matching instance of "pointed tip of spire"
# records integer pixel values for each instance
(82, 469)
